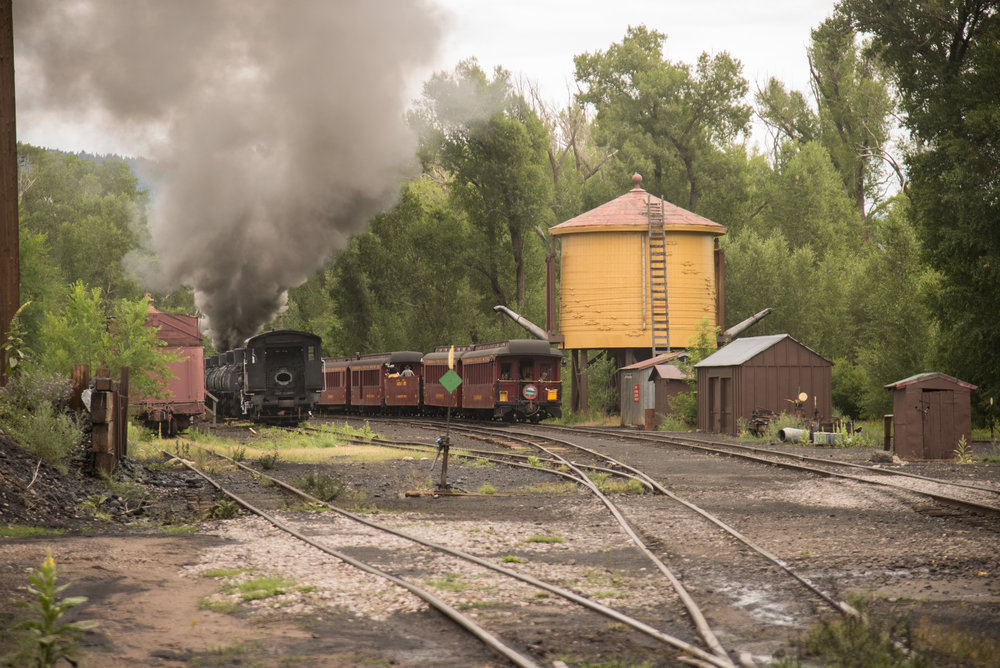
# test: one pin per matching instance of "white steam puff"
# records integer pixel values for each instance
(281, 124)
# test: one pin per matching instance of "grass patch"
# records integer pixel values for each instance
(612, 484)
(889, 639)
(24, 531)
(510, 559)
(544, 539)
(323, 486)
(449, 582)
(179, 529)
(552, 488)
(486, 488)
(223, 572)
(260, 588)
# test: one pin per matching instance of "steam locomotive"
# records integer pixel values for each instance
(276, 376)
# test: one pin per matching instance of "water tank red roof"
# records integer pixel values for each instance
(628, 212)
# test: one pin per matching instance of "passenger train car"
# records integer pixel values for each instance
(515, 380)
(276, 376)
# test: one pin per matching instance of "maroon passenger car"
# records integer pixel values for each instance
(386, 381)
(512, 380)
(436, 399)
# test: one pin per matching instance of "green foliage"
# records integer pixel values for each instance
(665, 118)
(13, 348)
(323, 486)
(943, 57)
(33, 411)
(90, 330)
(52, 640)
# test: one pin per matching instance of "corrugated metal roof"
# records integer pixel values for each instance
(628, 212)
(741, 350)
(925, 376)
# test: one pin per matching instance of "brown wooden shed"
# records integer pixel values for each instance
(762, 372)
(931, 413)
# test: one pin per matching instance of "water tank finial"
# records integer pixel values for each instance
(636, 180)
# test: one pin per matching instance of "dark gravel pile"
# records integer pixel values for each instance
(34, 493)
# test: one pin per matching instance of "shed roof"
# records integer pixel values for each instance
(745, 349)
(654, 361)
(927, 376)
(671, 372)
(628, 213)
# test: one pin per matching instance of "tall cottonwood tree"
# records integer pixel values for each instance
(853, 114)
(945, 60)
(495, 148)
(663, 115)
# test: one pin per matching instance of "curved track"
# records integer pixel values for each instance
(695, 654)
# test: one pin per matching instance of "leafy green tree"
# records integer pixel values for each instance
(944, 58)
(664, 118)
(853, 110)
(495, 149)
(87, 330)
(91, 213)
(407, 282)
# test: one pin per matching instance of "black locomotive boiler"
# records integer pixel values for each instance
(276, 376)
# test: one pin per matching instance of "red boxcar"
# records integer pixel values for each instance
(386, 381)
(183, 402)
(436, 400)
(512, 380)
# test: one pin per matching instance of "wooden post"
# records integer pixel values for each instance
(578, 382)
(102, 409)
(121, 439)
(81, 379)
(9, 255)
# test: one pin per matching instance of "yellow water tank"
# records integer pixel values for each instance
(637, 272)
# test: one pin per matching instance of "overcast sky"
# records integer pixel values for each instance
(537, 39)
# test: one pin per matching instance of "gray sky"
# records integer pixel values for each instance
(537, 39)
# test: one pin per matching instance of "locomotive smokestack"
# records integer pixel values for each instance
(278, 128)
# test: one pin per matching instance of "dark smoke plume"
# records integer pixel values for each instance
(277, 126)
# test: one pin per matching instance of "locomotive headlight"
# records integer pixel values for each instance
(283, 377)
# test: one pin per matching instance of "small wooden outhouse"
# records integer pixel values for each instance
(775, 373)
(931, 413)
(646, 388)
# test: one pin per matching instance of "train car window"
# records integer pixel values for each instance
(310, 353)
(546, 373)
(526, 369)
(505, 371)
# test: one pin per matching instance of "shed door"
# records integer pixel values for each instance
(720, 412)
(938, 422)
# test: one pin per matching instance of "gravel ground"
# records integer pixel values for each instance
(174, 600)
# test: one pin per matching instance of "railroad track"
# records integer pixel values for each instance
(689, 653)
(978, 498)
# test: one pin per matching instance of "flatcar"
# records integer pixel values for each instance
(516, 380)
(183, 400)
(276, 376)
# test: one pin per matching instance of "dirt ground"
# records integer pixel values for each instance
(148, 588)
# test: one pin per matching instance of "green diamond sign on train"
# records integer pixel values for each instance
(450, 380)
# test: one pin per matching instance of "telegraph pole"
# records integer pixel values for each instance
(9, 259)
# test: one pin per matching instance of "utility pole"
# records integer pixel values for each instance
(9, 258)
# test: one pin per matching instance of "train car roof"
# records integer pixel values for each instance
(279, 335)
(514, 347)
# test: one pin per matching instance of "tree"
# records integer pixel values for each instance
(945, 58)
(853, 110)
(664, 117)
(495, 149)
(81, 333)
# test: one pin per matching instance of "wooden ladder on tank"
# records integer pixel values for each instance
(658, 276)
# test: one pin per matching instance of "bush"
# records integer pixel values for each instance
(32, 411)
